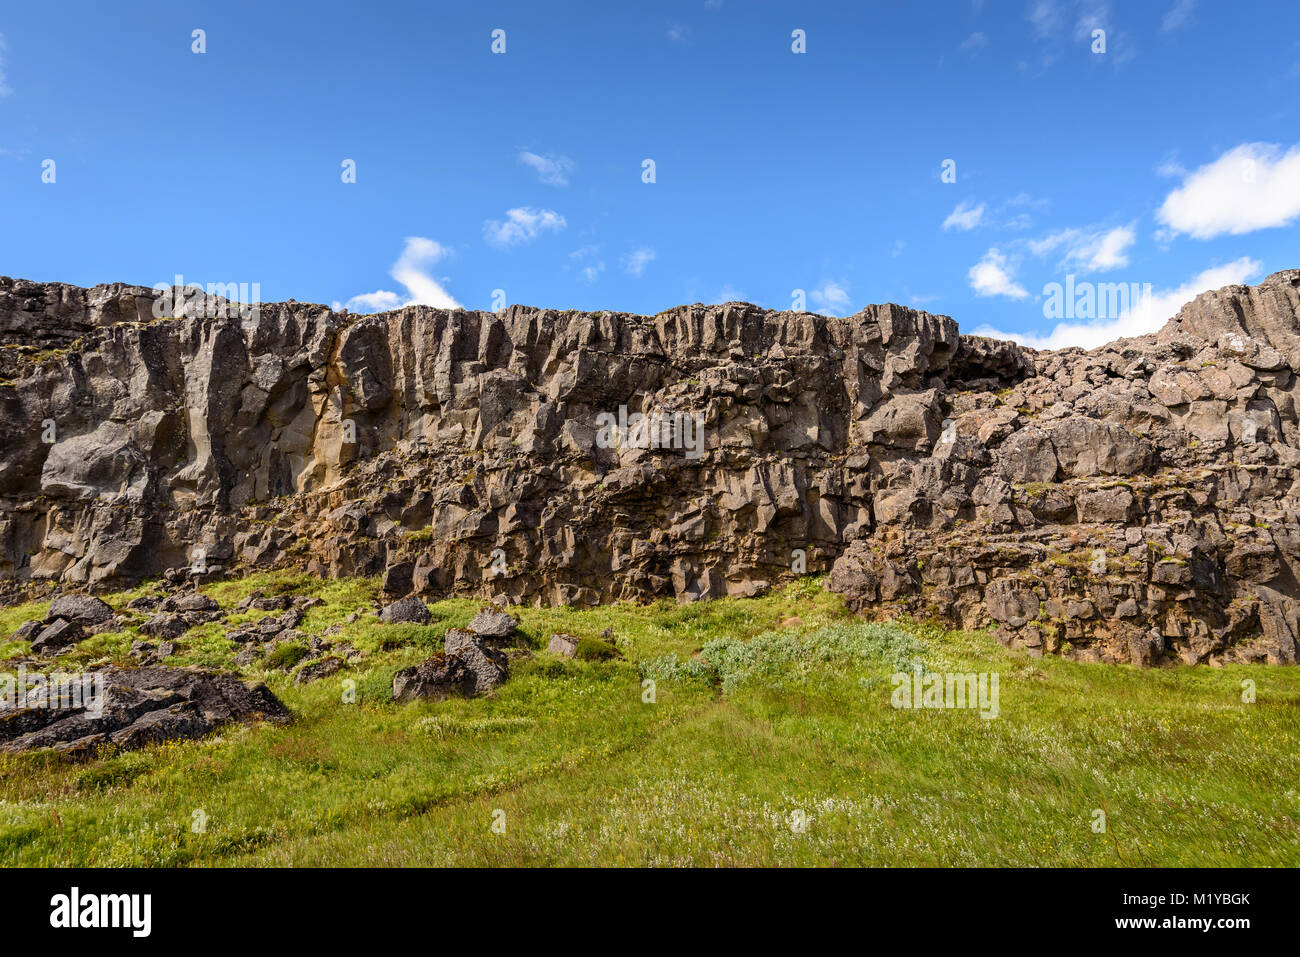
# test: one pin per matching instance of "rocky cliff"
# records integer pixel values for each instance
(1129, 503)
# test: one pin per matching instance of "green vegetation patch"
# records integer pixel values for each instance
(717, 724)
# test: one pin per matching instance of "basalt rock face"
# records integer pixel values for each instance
(1128, 503)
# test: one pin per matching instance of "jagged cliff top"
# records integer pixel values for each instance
(52, 314)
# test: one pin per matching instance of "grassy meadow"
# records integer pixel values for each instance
(766, 738)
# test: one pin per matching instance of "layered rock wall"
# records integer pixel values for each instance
(1132, 502)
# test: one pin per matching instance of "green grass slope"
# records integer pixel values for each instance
(764, 741)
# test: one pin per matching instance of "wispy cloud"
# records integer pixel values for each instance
(635, 262)
(1013, 213)
(1170, 168)
(412, 271)
(551, 170)
(522, 224)
(1253, 186)
(831, 299)
(1095, 15)
(1089, 250)
(976, 41)
(728, 293)
(593, 267)
(1045, 17)
(1178, 16)
(679, 33)
(1050, 18)
(965, 217)
(5, 90)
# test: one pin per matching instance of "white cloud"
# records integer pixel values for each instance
(728, 293)
(371, 302)
(1178, 16)
(521, 225)
(1170, 168)
(1089, 250)
(1109, 251)
(1045, 17)
(1149, 314)
(831, 299)
(992, 276)
(551, 170)
(965, 217)
(678, 33)
(634, 263)
(976, 41)
(4, 87)
(1253, 186)
(411, 270)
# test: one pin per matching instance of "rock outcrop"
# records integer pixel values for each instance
(127, 708)
(467, 666)
(472, 662)
(1128, 503)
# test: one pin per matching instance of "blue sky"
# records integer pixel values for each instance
(1170, 159)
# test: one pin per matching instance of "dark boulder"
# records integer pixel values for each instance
(83, 609)
(493, 623)
(407, 610)
(163, 626)
(131, 707)
(27, 630)
(316, 670)
(441, 676)
(56, 636)
(398, 578)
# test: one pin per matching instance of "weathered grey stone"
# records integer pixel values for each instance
(409, 610)
(164, 625)
(192, 601)
(60, 634)
(489, 666)
(83, 609)
(565, 645)
(493, 623)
